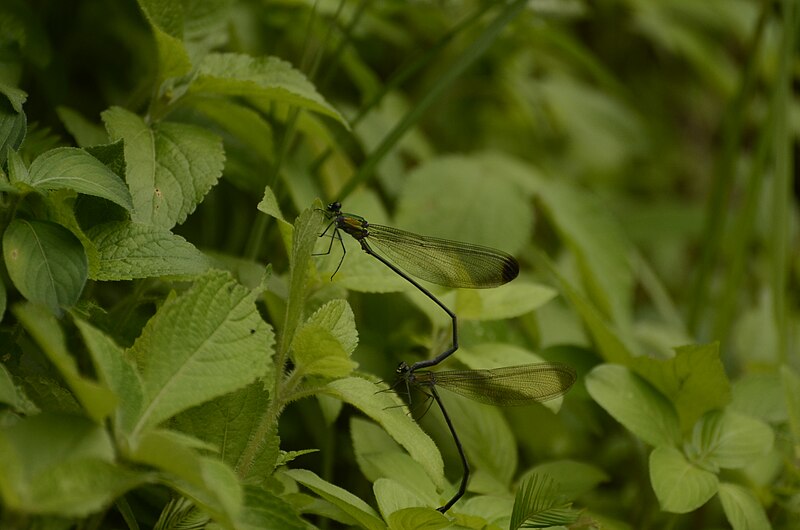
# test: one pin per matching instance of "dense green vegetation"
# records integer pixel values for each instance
(175, 354)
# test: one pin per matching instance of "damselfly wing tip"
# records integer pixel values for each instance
(510, 269)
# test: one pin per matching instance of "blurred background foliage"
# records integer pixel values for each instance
(646, 147)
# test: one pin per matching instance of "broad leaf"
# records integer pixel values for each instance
(494, 214)
(129, 250)
(730, 440)
(170, 166)
(573, 478)
(383, 408)
(393, 496)
(46, 263)
(96, 398)
(417, 519)
(679, 485)
(202, 344)
(268, 79)
(634, 403)
(59, 464)
(166, 21)
(263, 510)
(694, 380)
(742, 508)
(322, 346)
(13, 124)
(349, 503)
(75, 169)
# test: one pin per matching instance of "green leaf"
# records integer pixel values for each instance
(791, 391)
(170, 166)
(17, 171)
(269, 204)
(264, 511)
(417, 519)
(610, 343)
(129, 251)
(46, 263)
(268, 79)
(210, 483)
(761, 396)
(75, 169)
(322, 346)
(16, 96)
(114, 371)
(742, 508)
(730, 440)
(60, 464)
(14, 396)
(393, 496)
(573, 478)
(85, 132)
(634, 403)
(538, 504)
(349, 503)
(497, 215)
(599, 245)
(694, 380)
(679, 485)
(229, 422)
(306, 231)
(202, 344)
(166, 20)
(13, 124)
(3, 300)
(383, 408)
(487, 440)
(507, 301)
(98, 400)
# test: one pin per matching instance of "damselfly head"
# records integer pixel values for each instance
(402, 368)
(335, 207)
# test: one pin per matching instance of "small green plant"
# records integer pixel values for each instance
(174, 353)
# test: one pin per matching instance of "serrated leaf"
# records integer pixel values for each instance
(229, 423)
(742, 508)
(46, 263)
(202, 344)
(383, 408)
(694, 380)
(129, 250)
(116, 372)
(349, 503)
(60, 464)
(263, 78)
(730, 440)
(322, 346)
(166, 20)
(170, 166)
(634, 403)
(98, 400)
(269, 204)
(17, 171)
(75, 169)
(679, 485)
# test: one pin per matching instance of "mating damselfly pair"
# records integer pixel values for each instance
(458, 265)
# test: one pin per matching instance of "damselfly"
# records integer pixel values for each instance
(507, 386)
(440, 261)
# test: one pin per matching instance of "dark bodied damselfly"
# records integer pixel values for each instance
(440, 261)
(507, 386)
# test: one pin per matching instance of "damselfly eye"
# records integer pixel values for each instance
(334, 206)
